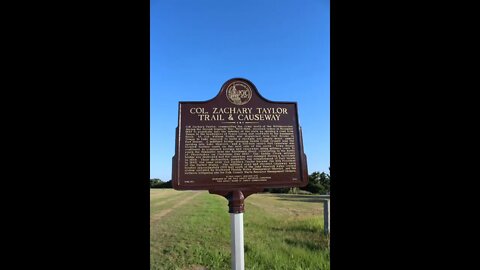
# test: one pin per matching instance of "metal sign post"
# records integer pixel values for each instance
(236, 199)
(236, 226)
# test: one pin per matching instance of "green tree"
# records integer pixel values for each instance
(167, 184)
(156, 183)
(318, 183)
(324, 181)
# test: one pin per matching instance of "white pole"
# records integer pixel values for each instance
(326, 215)
(236, 228)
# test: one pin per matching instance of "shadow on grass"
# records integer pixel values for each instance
(298, 228)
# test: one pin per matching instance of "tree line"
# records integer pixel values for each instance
(157, 183)
(318, 183)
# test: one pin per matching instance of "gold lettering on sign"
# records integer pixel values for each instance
(216, 150)
(241, 114)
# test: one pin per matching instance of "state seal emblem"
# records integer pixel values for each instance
(239, 93)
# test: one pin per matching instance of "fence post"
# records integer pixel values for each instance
(326, 215)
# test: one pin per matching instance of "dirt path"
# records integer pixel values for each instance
(165, 212)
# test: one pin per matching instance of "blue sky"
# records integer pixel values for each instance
(283, 47)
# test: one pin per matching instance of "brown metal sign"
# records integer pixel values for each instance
(238, 141)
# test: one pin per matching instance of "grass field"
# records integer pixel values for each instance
(191, 230)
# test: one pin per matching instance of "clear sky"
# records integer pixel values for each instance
(281, 46)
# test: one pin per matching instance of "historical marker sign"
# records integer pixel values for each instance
(238, 140)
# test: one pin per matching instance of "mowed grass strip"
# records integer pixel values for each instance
(288, 205)
(158, 195)
(166, 200)
(194, 235)
(285, 233)
(161, 214)
(280, 233)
